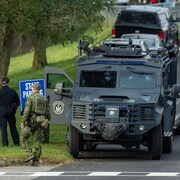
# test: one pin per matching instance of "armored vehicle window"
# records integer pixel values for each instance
(53, 79)
(100, 79)
(137, 80)
(137, 18)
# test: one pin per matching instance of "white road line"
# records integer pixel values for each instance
(104, 174)
(47, 174)
(88, 173)
(162, 174)
(2, 173)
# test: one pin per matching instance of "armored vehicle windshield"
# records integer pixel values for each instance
(127, 79)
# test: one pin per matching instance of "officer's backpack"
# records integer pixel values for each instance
(40, 104)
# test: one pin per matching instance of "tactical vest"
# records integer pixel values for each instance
(39, 104)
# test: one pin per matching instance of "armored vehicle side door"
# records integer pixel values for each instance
(58, 104)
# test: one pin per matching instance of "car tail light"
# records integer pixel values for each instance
(161, 35)
(113, 32)
(153, 1)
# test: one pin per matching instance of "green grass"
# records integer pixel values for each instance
(20, 69)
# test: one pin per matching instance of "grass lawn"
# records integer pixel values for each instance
(20, 69)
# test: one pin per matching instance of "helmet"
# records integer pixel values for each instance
(25, 132)
(36, 86)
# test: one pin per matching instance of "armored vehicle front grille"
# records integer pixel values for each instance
(99, 113)
(147, 113)
(79, 112)
(128, 113)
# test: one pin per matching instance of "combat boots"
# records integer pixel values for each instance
(29, 158)
(35, 163)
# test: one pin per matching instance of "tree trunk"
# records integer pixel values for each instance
(6, 51)
(40, 59)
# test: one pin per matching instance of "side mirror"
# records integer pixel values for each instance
(176, 91)
(58, 89)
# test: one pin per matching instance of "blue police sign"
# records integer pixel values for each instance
(25, 90)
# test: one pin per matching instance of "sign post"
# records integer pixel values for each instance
(25, 90)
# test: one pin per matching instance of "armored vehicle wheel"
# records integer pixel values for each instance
(73, 141)
(167, 145)
(156, 143)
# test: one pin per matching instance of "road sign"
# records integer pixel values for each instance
(25, 90)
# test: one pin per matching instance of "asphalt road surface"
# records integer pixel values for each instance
(110, 162)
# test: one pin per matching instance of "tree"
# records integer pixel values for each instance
(5, 53)
(14, 19)
(60, 21)
(7, 31)
(47, 20)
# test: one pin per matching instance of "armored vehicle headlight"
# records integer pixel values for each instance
(141, 127)
(83, 126)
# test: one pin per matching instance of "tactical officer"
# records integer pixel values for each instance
(35, 118)
(9, 101)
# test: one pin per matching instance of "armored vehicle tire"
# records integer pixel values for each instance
(73, 141)
(81, 143)
(155, 148)
(167, 145)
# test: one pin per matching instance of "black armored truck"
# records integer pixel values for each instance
(121, 95)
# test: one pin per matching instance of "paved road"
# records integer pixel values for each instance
(109, 163)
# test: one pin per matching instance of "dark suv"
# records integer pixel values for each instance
(151, 20)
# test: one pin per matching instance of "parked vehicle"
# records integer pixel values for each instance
(122, 2)
(148, 19)
(153, 42)
(119, 96)
(128, 42)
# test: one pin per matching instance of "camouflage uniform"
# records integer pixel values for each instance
(29, 119)
(46, 134)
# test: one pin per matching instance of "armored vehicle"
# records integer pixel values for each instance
(121, 95)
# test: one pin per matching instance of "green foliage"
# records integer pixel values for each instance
(59, 20)
(54, 21)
